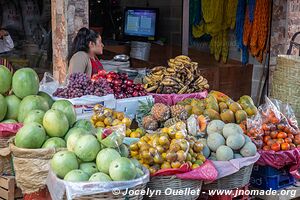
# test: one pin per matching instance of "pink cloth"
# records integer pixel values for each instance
(172, 99)
(9, 129)
(206, 172)
(281, 159)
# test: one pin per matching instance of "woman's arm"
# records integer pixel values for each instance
(9, 43)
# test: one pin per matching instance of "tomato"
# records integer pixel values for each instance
(273, 134)
(281, 135)
(288, 140)
(270, 142)
(265, 127)
(296, 141)
(290, 136)
(280, 141)
(266, 139)
(285, 146)
(292, 146)
(266, 148)
(275, 147)
(102, 72)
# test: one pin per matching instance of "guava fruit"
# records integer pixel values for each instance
(63, 162)
(100, 177)
(34, 116)
(122, 169)
(67, 108)
(47, 97)
(3, 107)
(87, 148)
(29, 103)
(5, 79)
(25, 82)
(54, 142)
(105, 157)
(13, 104)
(30, 136)
(55, 123)
(90, 168)
(76, 175)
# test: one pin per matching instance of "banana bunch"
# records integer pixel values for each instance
(180, 77)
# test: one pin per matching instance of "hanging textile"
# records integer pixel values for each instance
(239, 29)
(195, 12)
(256, 33)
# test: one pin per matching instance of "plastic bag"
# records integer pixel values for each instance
(112, 137)
(270, 126)
(9, 129)
(172, 99)
(58, 188)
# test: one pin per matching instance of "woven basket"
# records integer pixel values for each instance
(286, 82)
(174, 184)
(233, 181)
(31, 167)
(110, 195)
(6, 164)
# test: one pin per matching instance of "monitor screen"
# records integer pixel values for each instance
(140, 22)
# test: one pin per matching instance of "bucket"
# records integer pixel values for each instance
(140, 50)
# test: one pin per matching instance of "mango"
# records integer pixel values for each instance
(235, 106)
(212, 103)
(240, 116)
(227, 116)
(212, 114)
(251, 110)
(222, 106)
(221, 97)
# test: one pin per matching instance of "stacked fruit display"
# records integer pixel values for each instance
(122, 86)
(102, 159)
(106, 117)
(21, 95)
(135, 133)
(227, 141)
(169, 148)
(180, 77)
(160, 115)
(219, 106)
(79, 84)
(273, 131)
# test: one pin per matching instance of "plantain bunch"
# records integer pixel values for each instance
(180, 77)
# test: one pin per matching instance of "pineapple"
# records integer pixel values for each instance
(179, 111)
(160, 112)
(143, 110)
(171, 122)
(149, 123)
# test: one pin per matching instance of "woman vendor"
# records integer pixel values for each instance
(85, 48)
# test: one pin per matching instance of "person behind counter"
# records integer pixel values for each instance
(85, 48)
(6, 43)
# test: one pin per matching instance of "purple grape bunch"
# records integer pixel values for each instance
(79, 84)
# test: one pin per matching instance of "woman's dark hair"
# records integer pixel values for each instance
(82, 40)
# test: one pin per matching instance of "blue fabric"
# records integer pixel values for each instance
(239, 30)
(251, 6)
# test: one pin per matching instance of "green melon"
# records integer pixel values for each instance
(235, 141)
(214, 141)
(249, 149)
(29, 103)
(25, 82)
(224, 153)
(230, 129)
(34, 116)
(3, 107)
(5, 79)
(47, 97)
(67, 108)
(13, 104)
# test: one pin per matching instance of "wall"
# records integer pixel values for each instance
(170, 16)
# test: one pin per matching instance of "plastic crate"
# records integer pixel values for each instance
(275, 182)
(269, 171)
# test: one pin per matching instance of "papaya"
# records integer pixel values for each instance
(189, 109)
(248, 105)
(240, 116)
(235, 106)
(251, 110)
(222, 106)
(212, 103)
(197, 110)
(227, 116)
(221, 97)
(212, 114)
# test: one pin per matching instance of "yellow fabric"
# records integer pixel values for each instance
(219, 16)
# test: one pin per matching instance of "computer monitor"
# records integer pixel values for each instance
(140, 22)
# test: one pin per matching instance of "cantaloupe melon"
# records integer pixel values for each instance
(215, 140)
(249, 149)
(235, 141)
(230, 129)
(215, 126)
(224, 153)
